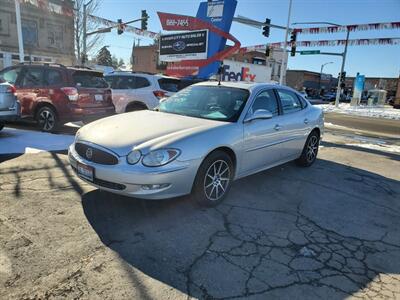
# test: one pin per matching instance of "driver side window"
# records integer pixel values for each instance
(266, 100)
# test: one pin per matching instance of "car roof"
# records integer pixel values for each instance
(144, 74)
(241, 84)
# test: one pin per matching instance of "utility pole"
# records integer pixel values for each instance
(19, 31)
(83, 58)
(339, 89)
(284, 53)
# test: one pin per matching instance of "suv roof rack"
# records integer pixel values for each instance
(131, 72)
(42, 63)
(81, 67)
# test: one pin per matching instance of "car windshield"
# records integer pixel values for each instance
(207, 102)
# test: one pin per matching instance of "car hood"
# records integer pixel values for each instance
(145, 130)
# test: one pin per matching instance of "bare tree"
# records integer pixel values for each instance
(93, 41)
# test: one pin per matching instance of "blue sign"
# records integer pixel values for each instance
(220, 14)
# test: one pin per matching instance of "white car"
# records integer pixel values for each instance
(137, 91)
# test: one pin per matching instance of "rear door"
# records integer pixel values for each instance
(294, 123)
(144, 91)
(123, 90)
(93, 90)
(31, 89)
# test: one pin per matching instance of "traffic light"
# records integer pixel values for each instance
(121, 27)
(267, 51)
(293, 37)
(342, 79)
(145, 17)
(266, 27)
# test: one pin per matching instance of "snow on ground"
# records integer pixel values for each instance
(28, 141)
(386, 112)
(379, 147)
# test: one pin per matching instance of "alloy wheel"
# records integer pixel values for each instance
(216, 180)
(312, 148)
(47, 120)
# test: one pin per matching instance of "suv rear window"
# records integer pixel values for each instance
(170, 85)
(89, 79)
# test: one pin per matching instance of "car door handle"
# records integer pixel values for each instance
(277, 127)
(305, 121)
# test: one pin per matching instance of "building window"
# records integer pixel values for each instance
(54, 36)
(29, 32)
(4, 23)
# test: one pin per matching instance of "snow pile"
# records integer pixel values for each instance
(28, 141)
(386, 112)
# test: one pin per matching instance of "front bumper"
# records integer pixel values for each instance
(11, 114)
(176, 178)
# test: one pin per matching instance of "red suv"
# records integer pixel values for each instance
(54, 94)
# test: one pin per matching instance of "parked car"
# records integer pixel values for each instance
(198, 141)
(10, 109)
(54, 94)
(137, 91)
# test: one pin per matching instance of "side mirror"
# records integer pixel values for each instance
(259, 114)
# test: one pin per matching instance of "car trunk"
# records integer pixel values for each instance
(93, 90)
(7, 97)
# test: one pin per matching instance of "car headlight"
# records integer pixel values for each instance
(160, 157)
(133, 157)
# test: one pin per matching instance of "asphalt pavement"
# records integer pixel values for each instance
(331, 231)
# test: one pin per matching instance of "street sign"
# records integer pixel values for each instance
(309, 52)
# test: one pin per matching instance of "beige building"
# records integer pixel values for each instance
(48, 32)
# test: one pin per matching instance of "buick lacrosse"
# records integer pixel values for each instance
(198, 141)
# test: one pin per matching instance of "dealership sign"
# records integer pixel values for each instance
(184, 46)
(238, 71)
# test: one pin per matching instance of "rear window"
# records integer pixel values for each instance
(170, 85)
(89, 79)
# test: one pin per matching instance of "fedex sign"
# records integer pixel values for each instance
(238, 71)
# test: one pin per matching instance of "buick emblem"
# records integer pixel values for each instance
(89, 153)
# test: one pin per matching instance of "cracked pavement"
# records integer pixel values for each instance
(329, 231)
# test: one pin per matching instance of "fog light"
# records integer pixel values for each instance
(148, 187)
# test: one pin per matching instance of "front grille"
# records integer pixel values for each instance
(95, 155)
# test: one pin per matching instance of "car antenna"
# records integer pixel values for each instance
(220, 70)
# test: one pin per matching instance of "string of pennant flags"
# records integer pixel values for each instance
(344, 28)
(323, 43)
(128, 28)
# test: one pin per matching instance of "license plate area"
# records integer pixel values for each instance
(98, 97)
(84, 171)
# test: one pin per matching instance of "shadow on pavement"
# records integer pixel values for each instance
(328, 231)
(393, 156)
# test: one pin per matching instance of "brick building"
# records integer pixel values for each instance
(48, 32)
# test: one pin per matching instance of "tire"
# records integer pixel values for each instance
(310, 150)
(1, 126)
(47, 119)
(135, 107)
(210, 190)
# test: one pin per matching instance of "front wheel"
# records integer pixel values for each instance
(47, 119)
(310, 150)
(213, 179)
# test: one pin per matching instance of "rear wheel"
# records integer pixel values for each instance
(135, 106)
(47, 119)
(310, 150)
(213, 179)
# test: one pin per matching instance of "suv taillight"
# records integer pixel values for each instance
(71, 93)
(11, 89)
(159, 94)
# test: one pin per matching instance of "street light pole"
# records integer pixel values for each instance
(339, 89)
(284, 53)
(19, 32)
(322, 67)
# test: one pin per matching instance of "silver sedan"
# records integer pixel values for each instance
(198, 141)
